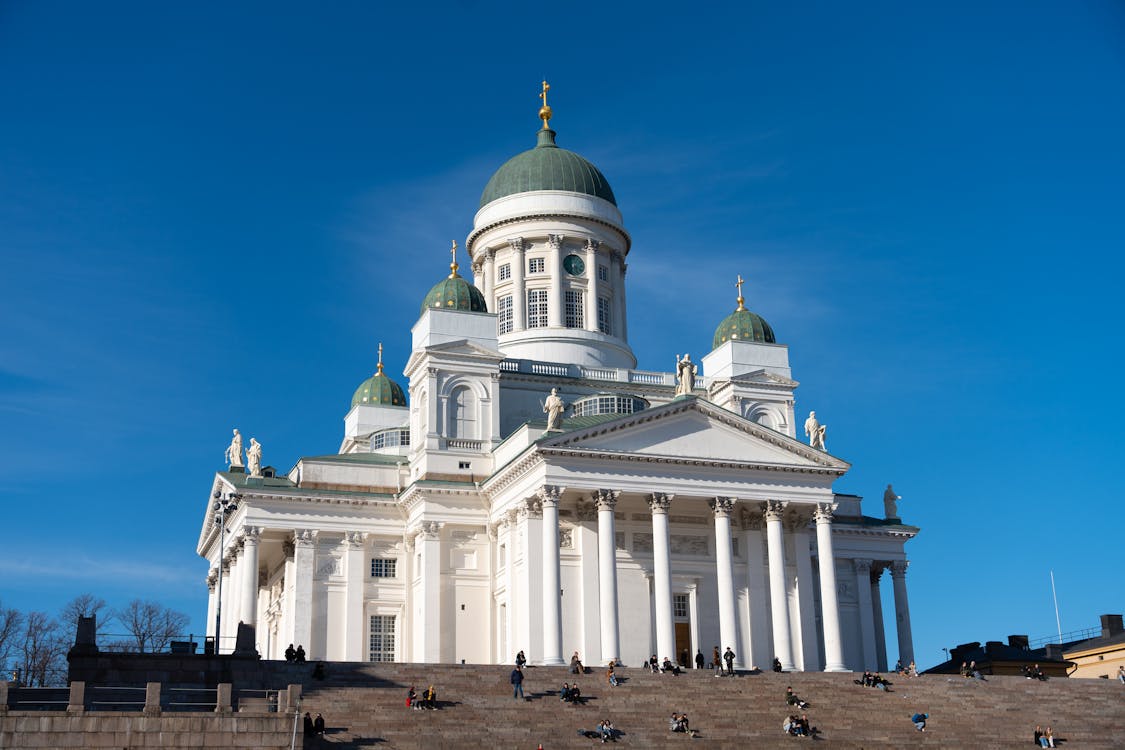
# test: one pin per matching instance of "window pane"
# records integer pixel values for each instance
(574, 312)
(537, 308)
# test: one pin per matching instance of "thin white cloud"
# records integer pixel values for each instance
(103, 569)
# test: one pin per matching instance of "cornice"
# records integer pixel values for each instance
(472, 238)
(681, 461)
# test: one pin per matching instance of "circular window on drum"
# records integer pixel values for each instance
(574, 265)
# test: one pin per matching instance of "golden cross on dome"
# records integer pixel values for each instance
(741, 299)
(453, 264)
(380, 372)
(545, 110)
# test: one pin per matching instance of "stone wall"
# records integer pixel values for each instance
(60, 729)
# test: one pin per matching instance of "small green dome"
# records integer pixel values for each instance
(547, 167)
(743, 325)
(379, 390)
(455, 293)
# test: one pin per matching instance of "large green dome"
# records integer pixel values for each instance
(455, 293)
(547, 167)
(379, 390)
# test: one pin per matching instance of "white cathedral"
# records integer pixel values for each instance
(470, 517)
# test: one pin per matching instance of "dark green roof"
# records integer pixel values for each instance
(454, 293)
(379, 389)
(743, 325)
(547, 167)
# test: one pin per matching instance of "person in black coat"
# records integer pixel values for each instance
(310, 730)
(318, 725)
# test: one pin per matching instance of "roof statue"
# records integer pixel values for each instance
(685, 375)
(815, 430)
(553, 407)
(233, 453)
(254, 458)
(890, 508)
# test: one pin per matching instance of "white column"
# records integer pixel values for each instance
(724, 573)
(866, 615)
(428, 635)
(212, 600)
(592, 286)
(552, 609)
(877, 609)
(620, 328)
(304, 558)
(779, 601)
(806, 615)
(758, 646)
(226, 611)
(829, 606)
(606, 501)
(232, 602)
(248, 609)
(659, 502)
(358, 571)
(528, 630)
(902, 612)
(489, 279)
(555, 269)
(519, 285)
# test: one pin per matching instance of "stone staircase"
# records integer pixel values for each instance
(364, 706)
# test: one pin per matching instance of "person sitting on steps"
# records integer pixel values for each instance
(576, 665)
(791, 699)
(668, 666)
(776, 664)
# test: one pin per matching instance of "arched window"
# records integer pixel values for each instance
(462, 414)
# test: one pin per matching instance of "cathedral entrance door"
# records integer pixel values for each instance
(683, 644)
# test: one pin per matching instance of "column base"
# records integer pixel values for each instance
(557, 662)
(836, 668)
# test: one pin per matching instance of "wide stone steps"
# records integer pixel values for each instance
(364, 706)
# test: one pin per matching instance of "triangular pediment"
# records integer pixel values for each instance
(694, 430)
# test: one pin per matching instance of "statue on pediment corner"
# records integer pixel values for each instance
(685, 375)
(233, 454)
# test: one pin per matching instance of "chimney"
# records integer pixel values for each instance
(1018, 641)
(1111, 625)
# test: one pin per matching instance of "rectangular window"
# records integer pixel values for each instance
(680, 605)
(382, 644)
(603, 273)
(504, 272)
(504, 314)
(383, 567)
(536, 265)
(575, 315)
(537, 308)
(604, 316)
(464, 464)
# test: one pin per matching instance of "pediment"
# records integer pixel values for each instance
(694, 430)
(763, 377)
(463, 346)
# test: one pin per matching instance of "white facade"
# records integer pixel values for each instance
(459, 529)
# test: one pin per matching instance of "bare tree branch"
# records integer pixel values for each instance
(43, 651)
(10, 622)
(151, 625)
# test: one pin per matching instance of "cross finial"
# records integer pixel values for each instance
(380, 366)
(741, 299)
(453, 262)
(545, 110)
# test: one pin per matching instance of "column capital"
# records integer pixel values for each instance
(516, 243)
(605, 499)
(304, 538)
(251, 534)
(355, 539)
(555, 240)
(722, 506)
(212, 577)
(898, 568)
(429, 530)
(531, 507)
(592, 245)
(774, 510)
(489, 253)
(877, 572)
(862, 565)
(824, 512)
(549, 494)
(659, 502)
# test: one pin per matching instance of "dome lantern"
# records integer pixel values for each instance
(379, 390)
(743, 325)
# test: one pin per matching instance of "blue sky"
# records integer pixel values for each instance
(210, 214)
